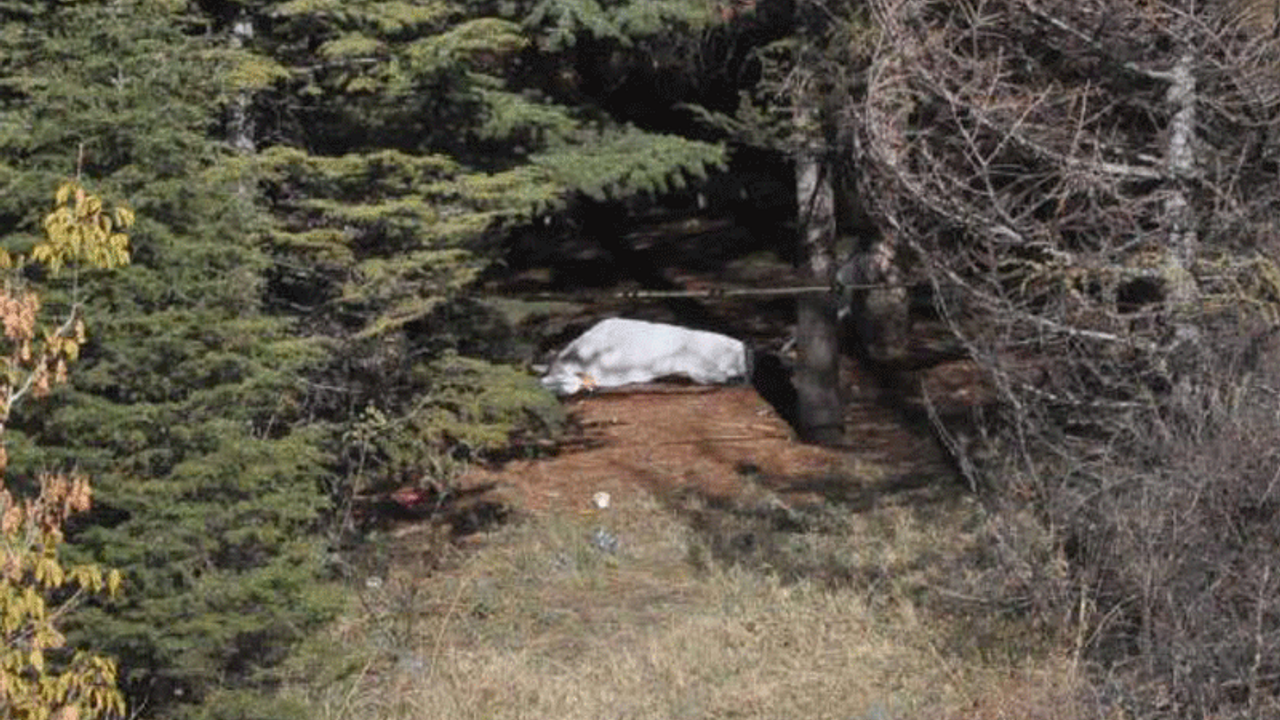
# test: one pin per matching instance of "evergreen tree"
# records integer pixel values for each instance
(391, 142)
(809, 65)
(37, 679)
(394, 145)
(817, 376)
(186, 412)
(407, 142)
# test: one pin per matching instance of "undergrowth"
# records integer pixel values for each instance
(632, 612)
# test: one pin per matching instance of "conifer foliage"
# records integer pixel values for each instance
(415, 137)
(317, 184)
(396, 145)
(185, 410)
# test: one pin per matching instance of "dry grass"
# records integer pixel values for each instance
(540, 623)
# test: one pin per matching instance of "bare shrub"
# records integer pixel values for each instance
(1176, 537)
(1090, 189)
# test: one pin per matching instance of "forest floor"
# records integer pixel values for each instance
(735, 573)
(714, 443)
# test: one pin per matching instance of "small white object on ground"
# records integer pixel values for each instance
(618, 352)
(600, 500)
(605, 541)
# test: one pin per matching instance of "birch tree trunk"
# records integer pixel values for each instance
(1179, 215)
(240, 130)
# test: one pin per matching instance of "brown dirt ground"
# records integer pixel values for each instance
(716, 442)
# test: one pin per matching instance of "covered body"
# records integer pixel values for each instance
(619, 352)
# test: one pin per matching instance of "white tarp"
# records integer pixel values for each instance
(620, 352)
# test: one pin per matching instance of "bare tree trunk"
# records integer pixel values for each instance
(241, 129)
(1179, 215)
(817, 377)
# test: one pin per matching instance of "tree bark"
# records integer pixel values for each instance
(1179, 215)
(241, 130)
(820, 412)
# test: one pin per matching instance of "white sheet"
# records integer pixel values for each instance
(619, 352)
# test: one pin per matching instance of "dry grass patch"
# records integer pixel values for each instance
(541, 622)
